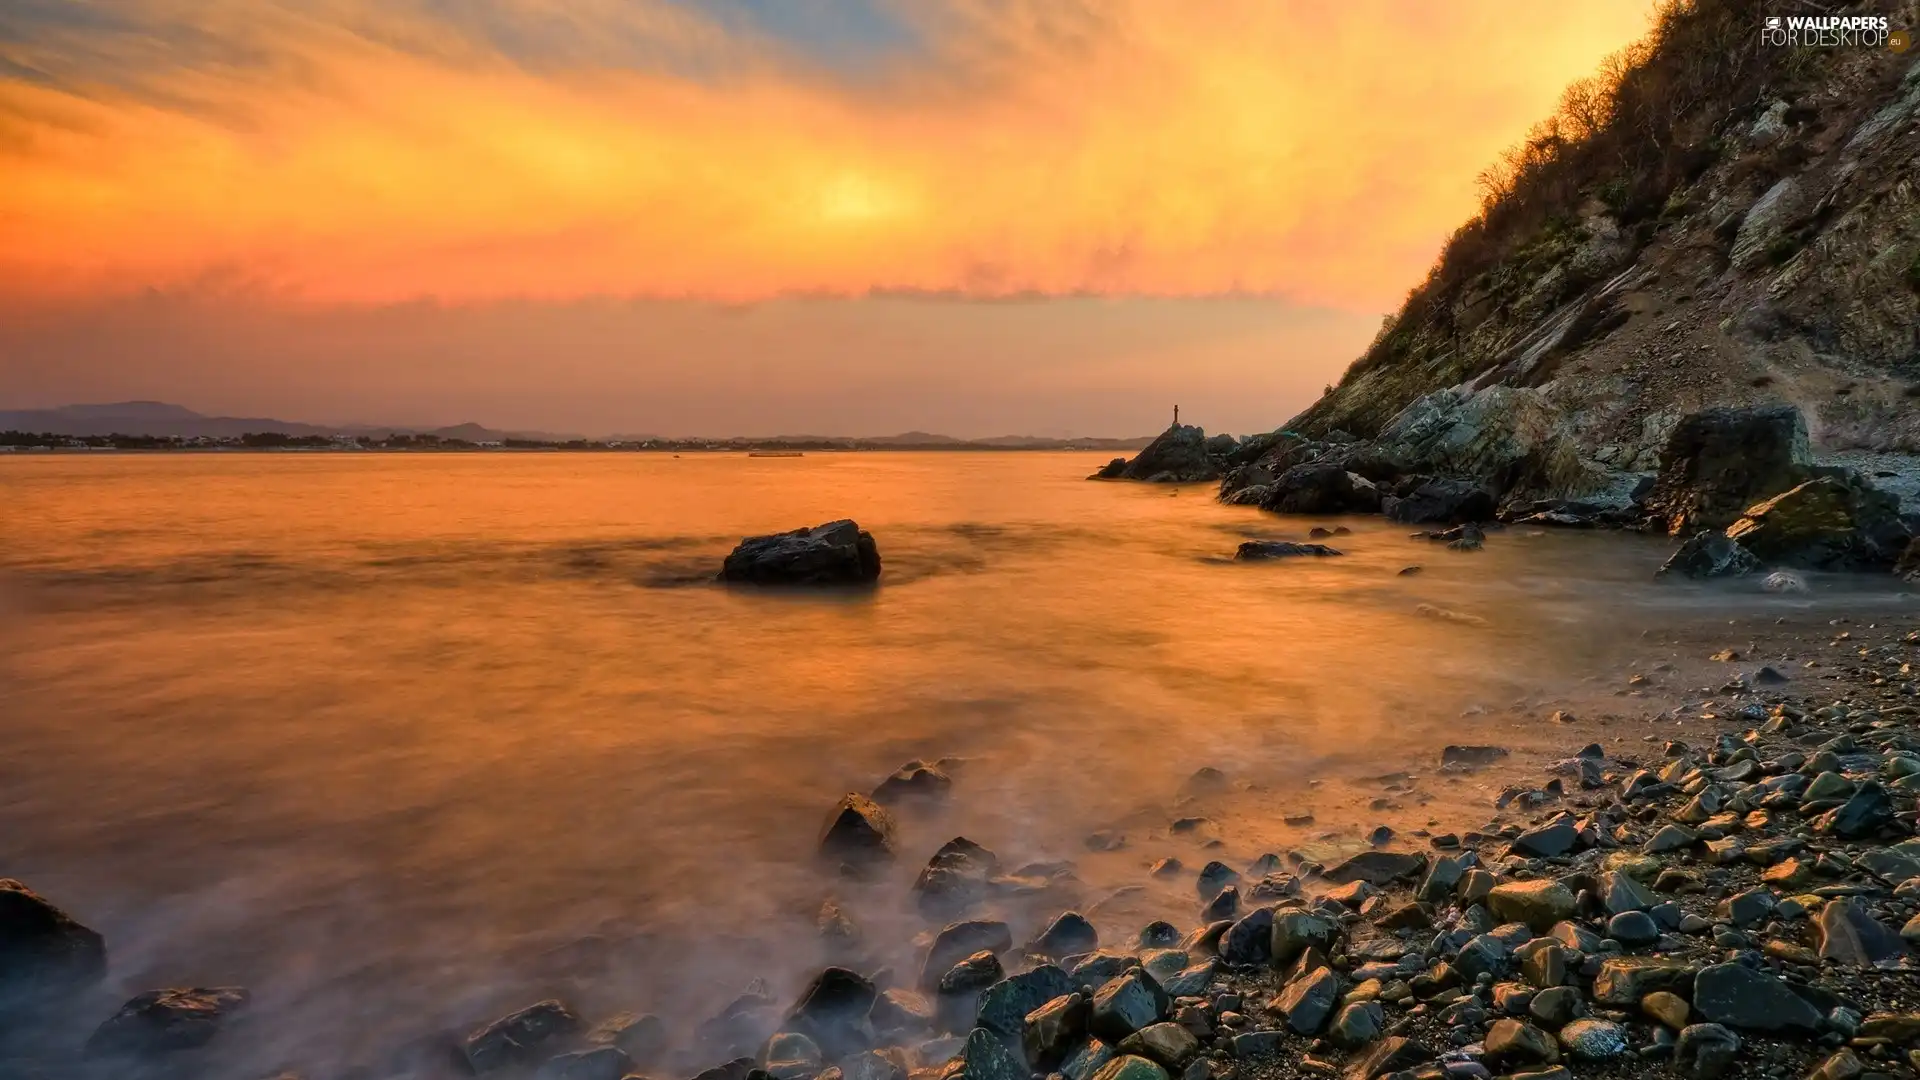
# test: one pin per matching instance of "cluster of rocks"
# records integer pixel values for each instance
(1739, 484)
(1182, 454)
(1745, 907)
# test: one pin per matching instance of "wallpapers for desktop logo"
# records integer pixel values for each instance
(1834, 32)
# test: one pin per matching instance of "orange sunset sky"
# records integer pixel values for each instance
(977, 217)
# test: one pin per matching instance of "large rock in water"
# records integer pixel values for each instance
(1317, 488)
(1510, 437)
(1179, 455)
(1719, 462)
(837, 553)
(43, 949)
(858, 829)
(1828, 523)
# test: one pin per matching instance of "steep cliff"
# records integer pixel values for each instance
(1714, 221)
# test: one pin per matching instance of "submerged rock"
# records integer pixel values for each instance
(43, 950)
(1280, 549)
(837, 553)
(162, 1021)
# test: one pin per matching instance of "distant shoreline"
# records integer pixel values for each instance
(784, 449)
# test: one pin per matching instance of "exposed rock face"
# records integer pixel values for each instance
(1441, 502)
(1317, 488)
(1828, 523)
(43, 949)
(837, 553)
(1182, 454)
(1719, 462)
(1510, 437)
(1908, 567)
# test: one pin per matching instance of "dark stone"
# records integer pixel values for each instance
(1442, 502)
(1868, 811)
(837, 553)
(162, 1021)
(1705, 1051)
(858, 829)
(1719, 462)
(914, 781)
(1215, 876)
(956, 876)
(1112, 470)
(43, 950)
(1069, 935)
(957, 941)
(1378, 868)
(1004, 1005)
(1055, 1028)
(833, 1011)
(1471, 756)
(1740, 997)
(988, 1056)
(1633, 929)
(1710, 555)
(1307, 1002)
(1846, 934)
(1546, 841)
(1250, 940)
(1317, 488)
(1224, 906)
(1125, 1005)
(1279, 549)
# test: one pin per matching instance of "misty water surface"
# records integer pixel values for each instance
(404, 741)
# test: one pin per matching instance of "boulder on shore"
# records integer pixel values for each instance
(1710, 555)
(42, 948)
(1319, 488)
(1719, 462)
(1827, 523)
(837, 553)
(1441, 502)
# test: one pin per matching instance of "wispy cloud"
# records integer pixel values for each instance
(363, 151)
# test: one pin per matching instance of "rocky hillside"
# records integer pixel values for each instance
(1714, 221)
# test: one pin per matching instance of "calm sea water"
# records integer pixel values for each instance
(403, 741)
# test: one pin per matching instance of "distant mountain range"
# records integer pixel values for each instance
(160, 419)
